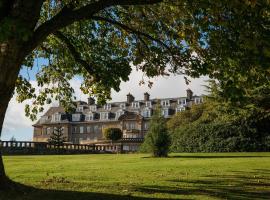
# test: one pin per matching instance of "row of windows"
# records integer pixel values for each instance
(106, 115)
(137, 104)
(86, 129)
(50, 130)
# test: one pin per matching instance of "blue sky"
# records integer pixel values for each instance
(19, 126)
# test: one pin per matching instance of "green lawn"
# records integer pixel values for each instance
(136, 176)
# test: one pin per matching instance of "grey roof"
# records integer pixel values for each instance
(115, 107)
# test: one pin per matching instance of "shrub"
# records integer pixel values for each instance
(112, 134)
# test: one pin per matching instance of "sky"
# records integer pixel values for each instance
(18, 126)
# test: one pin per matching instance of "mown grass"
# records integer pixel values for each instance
(137, 176)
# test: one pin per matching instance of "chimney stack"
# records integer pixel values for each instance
(91, 101)
(189, 94)
(130, 98)
(146, 96)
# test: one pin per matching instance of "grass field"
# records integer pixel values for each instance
(137, 176)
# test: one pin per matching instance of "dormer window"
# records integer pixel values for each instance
(89, 117)
(123, 106)
(198, 100)
(107, 106)
(93, 108)
(182, 102)
(165, 112)
(43, 119)
(76, 117)
(104, 116)
(119, 113)
(79, 109)
(135, 104)
(147, 113)
(180, 109)
(148, 104)
(165, 102)
(56, 117)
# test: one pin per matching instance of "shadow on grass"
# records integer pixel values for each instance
(22, 192)
(210, 156)
(221, 156)
(253, 185)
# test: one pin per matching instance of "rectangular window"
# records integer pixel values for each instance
(88, 129)
(93, 108)
(148, 104)
(180, 109)
(146, 126)
(135, 104)
(81, 129)
(96, 129)
(165, 112)
(74, 129)
(165, 103)
(104, 116)
(56, 117)
(89, 117)
(146, 113)
(107, 107)
(79, 109)
(76, 117)
(43, 119)
(198, 100)
(182, 101)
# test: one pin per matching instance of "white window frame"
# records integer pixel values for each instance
(182, 102)
(93, 108)
(79, 109)
(43, 119)
(107, 106)
(88, 129)
(119, 113)
(56, 117)
(135, 104)
(198, 100)
(104, 115)
(165, 112)
(165, 103)
(180, 109)
(81, 129)
(147, 113)
(89, 117)
(76, 117)
(148, 104)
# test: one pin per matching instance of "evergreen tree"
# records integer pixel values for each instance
(157, 140)
(57, 137)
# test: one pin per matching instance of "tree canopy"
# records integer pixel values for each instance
(98, 40)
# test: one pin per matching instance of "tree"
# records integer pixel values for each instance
(157, 140)
(98, 39)
(222, 125)
(80, 37)
(113, 134)
(57, 137)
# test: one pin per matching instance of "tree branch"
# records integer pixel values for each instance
(132, 30)
(76, 55)
(69, 15)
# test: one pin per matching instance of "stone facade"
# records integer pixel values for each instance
(86, 124)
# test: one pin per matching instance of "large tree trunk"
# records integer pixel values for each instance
(10, 62)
